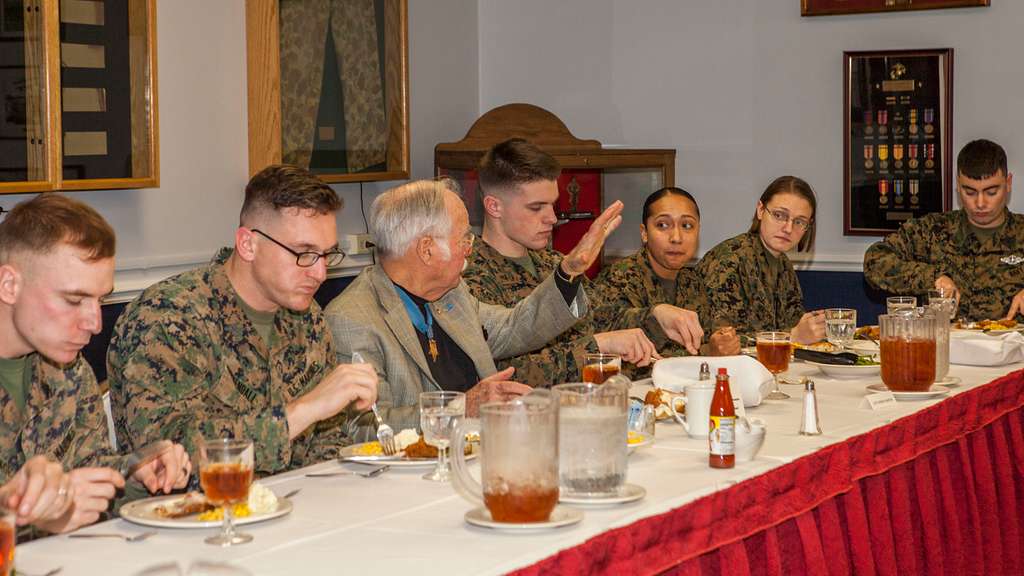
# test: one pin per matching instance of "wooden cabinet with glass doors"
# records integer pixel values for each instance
(78, 95)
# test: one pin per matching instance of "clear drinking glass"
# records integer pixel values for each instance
(440, 413)
(598, 367)
(773, 351)
(8, 535)
(840, 325)
(894, 304)
(225, 473)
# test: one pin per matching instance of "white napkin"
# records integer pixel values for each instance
(747, 377)
(979, 349)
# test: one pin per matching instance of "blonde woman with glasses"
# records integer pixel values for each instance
(751, 283)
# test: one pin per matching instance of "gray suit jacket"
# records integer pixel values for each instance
(370, 318)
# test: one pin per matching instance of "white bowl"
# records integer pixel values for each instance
(749, 442)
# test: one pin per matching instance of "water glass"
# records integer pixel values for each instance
(440, 413)
(893, 304)
(598, 367)
(225, 473)
(840, 325)
(773, 350)
(592, 437)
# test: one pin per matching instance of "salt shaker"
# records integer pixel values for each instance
(810, 424)
(705, 372)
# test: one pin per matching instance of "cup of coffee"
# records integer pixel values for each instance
(695, 418)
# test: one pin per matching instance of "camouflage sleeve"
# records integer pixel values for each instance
(618, 305)
(325, 439)
(726, 291)
(165, 371)
(91, 444)
(554, 364)
(900, 263)
(792, 297)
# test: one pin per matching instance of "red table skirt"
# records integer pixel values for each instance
(938, 492)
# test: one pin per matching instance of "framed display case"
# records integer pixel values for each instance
(897, 137)
(79, 95)
(580, 193)
(328, 87)
(829, 7)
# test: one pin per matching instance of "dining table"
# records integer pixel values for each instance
(924, 486)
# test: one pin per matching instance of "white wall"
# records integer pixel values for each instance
(203, 131)
(745, 90)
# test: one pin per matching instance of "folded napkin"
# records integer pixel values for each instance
(747, 377)
(979, 349)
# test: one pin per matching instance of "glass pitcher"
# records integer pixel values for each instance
(907, 343)
(942, 309)
(518, 458)
(593, 423)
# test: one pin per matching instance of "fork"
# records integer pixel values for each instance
(52, 572)
(385, 435)
(126, 538)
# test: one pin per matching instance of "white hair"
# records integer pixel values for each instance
(405, 213)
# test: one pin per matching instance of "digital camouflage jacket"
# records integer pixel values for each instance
(625, 292)
(987, 273)
(185, 362)
(744, 292)
(495, 279)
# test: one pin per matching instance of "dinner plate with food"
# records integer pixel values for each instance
(995, 327)
(413, 451)
(866, 367)
(193, 510)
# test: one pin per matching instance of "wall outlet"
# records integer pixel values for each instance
(354, 243)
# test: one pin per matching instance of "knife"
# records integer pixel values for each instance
(840, 359)
(143, 456)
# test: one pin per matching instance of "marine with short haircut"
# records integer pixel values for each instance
(238, 348)
(975, 253)
(56, 265)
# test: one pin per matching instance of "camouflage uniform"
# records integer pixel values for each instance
(495, 279)
(743, 290)
(987, 273)
(185, 362)
(626, 292)
(63, 418)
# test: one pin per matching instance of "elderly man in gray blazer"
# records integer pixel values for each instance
(413, 318)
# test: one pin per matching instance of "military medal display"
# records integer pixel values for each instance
(896, 143)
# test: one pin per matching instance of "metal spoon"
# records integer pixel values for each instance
(370, 474)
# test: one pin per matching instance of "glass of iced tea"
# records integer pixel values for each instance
(8, 535)
(225, 473)
(599, 367)
(773, 351)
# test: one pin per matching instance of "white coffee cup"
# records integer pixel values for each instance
(698, 409)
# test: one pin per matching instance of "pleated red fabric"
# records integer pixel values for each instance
(938, 492)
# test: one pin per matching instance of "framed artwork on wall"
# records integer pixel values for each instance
(897, 136)
(328, 87)
(829, 7)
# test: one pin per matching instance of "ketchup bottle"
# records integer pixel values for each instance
(722, 429)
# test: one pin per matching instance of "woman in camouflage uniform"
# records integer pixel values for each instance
(750, 282)
(649, 288)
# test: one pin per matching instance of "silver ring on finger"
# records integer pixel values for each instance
(62, 492)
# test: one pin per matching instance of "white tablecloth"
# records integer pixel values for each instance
(398, 523)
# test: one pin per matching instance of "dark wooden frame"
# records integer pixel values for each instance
(832, 7)
(945, 121)
(264, 87)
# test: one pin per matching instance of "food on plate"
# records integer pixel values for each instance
(420, 449)
(823, 346)
(406, 437)
(662, 402)
(633, 437)
(410, 445)
(262, 500)
(868, 333)
(191, 503)
(867, 360)
(987, 325)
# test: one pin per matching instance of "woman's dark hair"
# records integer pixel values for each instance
(661, 193)
(791, 185)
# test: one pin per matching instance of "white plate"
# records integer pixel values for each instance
(625, 493)
(647, 441)
(560, 516)
(143, 512)
(951, 381)
(840, 371)
(348, 453)
(863, 347)
(902, 396)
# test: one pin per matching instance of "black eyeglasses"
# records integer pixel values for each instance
(309, 258)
